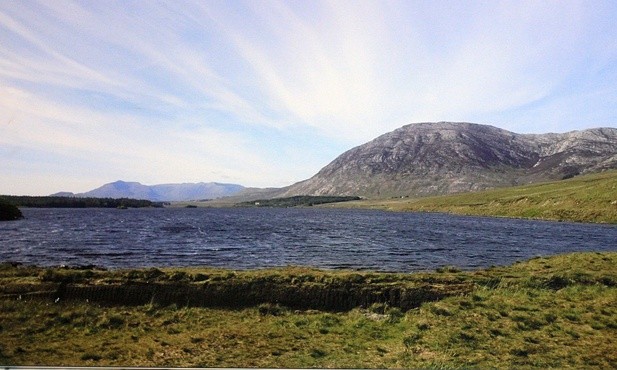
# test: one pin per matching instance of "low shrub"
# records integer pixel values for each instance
(270, 309)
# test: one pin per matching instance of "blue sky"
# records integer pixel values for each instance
(265, 93)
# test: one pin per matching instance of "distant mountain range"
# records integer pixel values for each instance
(159, 193)
(445, 157)
(416, 160)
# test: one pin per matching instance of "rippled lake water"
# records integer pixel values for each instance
(242, 238)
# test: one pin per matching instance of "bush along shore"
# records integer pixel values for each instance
(9, 212)
(559, 311)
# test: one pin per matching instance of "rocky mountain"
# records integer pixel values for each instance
(163, 192)
(445, 157)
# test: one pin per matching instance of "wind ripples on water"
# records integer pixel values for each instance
(241, 238)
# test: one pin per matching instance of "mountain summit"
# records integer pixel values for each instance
(446, 157)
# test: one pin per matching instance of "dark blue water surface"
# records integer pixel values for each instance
(241, 238)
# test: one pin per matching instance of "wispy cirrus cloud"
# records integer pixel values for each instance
(265, 93)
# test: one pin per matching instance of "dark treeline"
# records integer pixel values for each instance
(300, 200)
(74, 202)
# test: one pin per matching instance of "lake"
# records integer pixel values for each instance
(245, 238)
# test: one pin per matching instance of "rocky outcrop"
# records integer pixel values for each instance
(445, 157)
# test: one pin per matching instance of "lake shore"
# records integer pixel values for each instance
(585, 198)
(546, 312)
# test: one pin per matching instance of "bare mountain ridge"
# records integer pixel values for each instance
(445, 157)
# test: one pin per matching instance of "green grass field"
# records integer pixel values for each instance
(558, 312)
(590, 198)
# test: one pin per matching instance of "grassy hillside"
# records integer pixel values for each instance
(558, 312)
(590, 198)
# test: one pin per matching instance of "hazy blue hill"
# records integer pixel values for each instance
(198, 191)
(163, 192)
(67, 194)
(122, 189)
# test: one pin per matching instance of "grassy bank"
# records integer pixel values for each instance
(546, 312)
(590, 198)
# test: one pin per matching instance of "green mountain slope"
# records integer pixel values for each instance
(590, 198)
